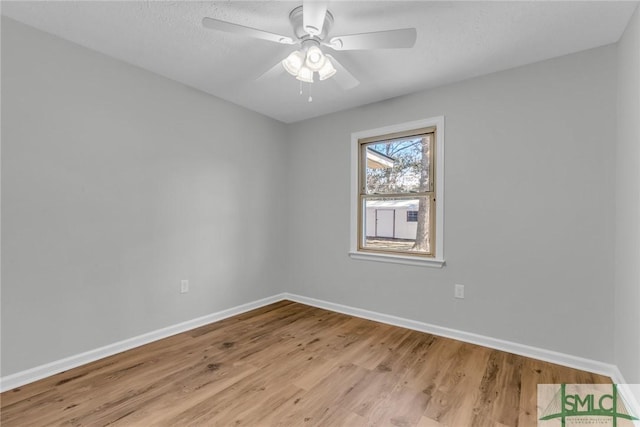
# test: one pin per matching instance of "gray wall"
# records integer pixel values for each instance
(627, 190)
(528, 207)
(116, 184)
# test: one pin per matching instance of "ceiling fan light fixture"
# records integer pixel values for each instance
(294, 62)
(305, 75)
(315, 58)
(327, 70)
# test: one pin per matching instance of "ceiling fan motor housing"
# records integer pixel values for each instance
(296, 18)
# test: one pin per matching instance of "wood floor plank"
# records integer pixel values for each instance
(428, 422)
(183, 396)
(455, 389)
(287, 364)
(313, 406)
(499, 391)
(340, 417)
(403, 407)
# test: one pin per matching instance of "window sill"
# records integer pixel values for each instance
(398, 259)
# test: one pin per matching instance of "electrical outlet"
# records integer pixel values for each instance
(459, 291)
(184, 286)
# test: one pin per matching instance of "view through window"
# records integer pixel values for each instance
(397, 193)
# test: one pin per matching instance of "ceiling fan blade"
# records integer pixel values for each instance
(313, 15)
(343, 77)
(272, 72)
(228, 27)
(391, 39)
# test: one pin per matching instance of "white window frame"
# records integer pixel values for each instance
(438, 259)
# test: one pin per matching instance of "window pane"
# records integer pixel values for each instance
(397, 166)
(387, 224)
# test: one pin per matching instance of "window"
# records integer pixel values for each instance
(402, 183)
(397, 182)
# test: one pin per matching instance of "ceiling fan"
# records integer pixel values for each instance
(311, 24)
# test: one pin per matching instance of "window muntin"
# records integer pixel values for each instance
(396, 176)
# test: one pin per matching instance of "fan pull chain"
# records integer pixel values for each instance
(310, 98)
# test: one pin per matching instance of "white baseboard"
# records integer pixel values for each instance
(39, 372)
(498, 344)
(43, 371)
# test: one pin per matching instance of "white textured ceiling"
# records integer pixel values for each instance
(456, 41)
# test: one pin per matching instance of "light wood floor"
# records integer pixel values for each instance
(293, 365)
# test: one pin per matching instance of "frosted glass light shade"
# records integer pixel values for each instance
(315, 58)
(305, 75)
(327, 70)
(293, 62)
